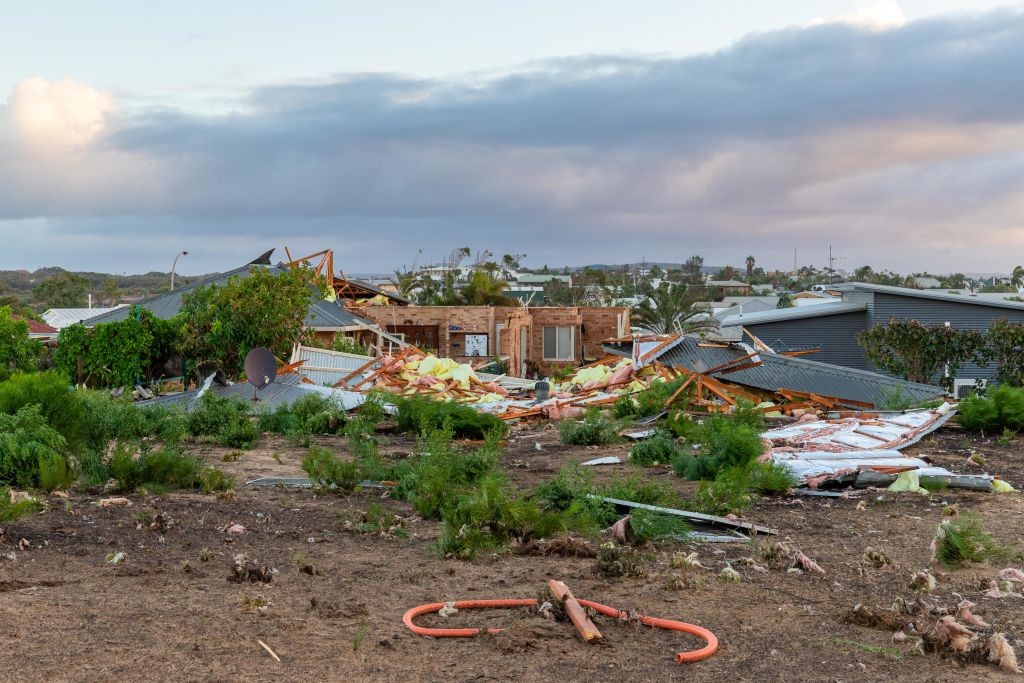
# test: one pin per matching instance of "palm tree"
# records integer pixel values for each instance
(405, 281)
(750, 267)
(1017, 277)
(486, 289)
(673, 308)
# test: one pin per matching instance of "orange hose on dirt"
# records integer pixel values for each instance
(668, 624)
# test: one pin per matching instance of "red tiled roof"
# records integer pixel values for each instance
(35, 327)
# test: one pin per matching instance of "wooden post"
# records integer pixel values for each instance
(575, 611)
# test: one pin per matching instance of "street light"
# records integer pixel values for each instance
(175, 265)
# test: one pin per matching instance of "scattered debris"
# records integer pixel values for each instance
(807, 564)
(575, 612)
(246, 569)
(117, 558)
(235, 529)
(607, 460)
(730, 574)
(269, 651)
(923, 581)
(448, 610)
(1000, 651)
(110, 502)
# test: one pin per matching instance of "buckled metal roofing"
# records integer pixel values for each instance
(785, 372)
(322, 315)
(285, 390)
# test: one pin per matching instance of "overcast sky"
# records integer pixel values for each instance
(575, 131)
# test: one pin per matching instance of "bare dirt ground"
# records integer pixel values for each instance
(334, 606)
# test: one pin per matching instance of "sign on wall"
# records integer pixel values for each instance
(476, 345)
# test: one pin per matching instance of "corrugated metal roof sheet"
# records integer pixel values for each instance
(322, 314)
(792, 313)
(62, 317)
(285, 390)
(797, 374)
(939, 295)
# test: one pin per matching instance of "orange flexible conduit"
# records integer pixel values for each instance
(681, 657)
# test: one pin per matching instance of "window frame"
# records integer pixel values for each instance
(572, 343)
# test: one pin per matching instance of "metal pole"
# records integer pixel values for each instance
(175, 265)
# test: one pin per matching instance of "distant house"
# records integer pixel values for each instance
(529, 287)
(38, 330)
(731, 287)
(834, 327)
(927, 282)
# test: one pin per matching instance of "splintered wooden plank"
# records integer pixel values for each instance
(698, 517)
(575, 610)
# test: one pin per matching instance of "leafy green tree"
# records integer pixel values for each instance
(120, 353)
(922, 353)
(221, 324)
(111, 292)
(65, 290)
(486, 289)
(17, 351)
(785, 301)
(673, 308)
(692, 273)
(728, 273)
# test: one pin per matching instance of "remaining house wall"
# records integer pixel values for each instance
(592, 325)
(965, 316)
(836, 334)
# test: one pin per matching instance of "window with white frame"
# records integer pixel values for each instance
(559, 343)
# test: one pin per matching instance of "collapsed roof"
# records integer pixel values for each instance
(323, 315)
(743, 365)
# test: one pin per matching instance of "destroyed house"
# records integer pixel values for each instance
(833, 328)
(534, 339)
(325, 318)
(746, 366)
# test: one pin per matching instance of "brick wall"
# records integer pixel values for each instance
(592, 325)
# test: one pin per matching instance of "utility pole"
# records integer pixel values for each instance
(831, 264)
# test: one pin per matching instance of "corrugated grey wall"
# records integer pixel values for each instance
(836, 334)
(965, 316)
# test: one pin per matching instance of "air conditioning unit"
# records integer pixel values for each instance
(962, 388)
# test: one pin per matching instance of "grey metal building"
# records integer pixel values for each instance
(834, 327)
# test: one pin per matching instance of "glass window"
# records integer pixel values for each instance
(558, 343)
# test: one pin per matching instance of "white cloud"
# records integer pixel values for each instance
(877, 15)
(58, 114)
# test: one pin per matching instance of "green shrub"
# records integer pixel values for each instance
(488, 516)
(648, 402)
(1001, 408)
(212, 480)
(26, 442)
(593, 430)
(894, 399)
(58, 403)
(724, 444)
(962, 541)
(94, 471)
(10, 512)
(226, 420)
(573, 493)
(646, 526)
(326, 469)
(768, 478)
(55, 473)
(319, 414)
(348, 345)
(418, 414)
(658, 449)
(440, 469)
(164, 468)
(729, 493)
(109, 418)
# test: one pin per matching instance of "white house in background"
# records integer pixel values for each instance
(63, 317)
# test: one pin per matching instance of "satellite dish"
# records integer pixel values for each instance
(260, 369)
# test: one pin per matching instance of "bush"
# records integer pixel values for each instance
(419, 414)
(962, 541)
(660, 448)
(1002, 408)
(348, 345)
(55, 473)
(58, 403)
(226, 420)
(440, 470)
(26, 442)
(592, 430)
(10, 512)
(161, 469)
(212, 480)
(326, 469)
(648, 402)
(724, 444)
(768, 478)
